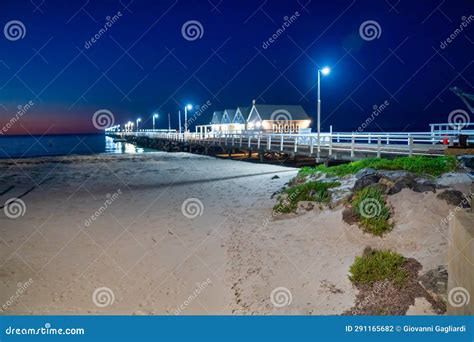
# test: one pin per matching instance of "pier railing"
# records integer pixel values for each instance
(395, 143)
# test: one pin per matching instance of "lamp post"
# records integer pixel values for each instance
(169, 123)
(186, 108)
(138, 120)
(154, 117)
(325, 71)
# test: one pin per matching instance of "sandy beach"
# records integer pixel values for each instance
(127, 234)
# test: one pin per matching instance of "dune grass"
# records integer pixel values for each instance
(372, 210)
(376, 265)
(433, 166)
(309, 191)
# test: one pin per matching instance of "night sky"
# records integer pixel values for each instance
(143, 63)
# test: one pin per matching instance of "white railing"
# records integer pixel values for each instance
(400, 143)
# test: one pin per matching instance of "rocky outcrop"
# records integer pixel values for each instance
(454, 197)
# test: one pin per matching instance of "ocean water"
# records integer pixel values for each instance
(60, 145)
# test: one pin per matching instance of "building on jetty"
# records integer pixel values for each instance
(263, 118)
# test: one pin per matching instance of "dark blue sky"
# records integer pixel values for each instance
(144, 64)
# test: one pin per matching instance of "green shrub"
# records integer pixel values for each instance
(376, 265)
(309, 191)
(371, 209)
(433, 166)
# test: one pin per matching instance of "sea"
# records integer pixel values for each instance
(60, 145)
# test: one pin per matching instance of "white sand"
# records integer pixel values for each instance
(153, 258)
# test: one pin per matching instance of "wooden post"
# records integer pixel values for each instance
(352, 145)
(410, 143)
(379, 147)
(240, 143)
(249, 141)
(258, 142)
(311, 148)
(296, 144)
(330, 145)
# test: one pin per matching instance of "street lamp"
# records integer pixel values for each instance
(186, 108)
(138, 120)
(325, 71)
(154, 117)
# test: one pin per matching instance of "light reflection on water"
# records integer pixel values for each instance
(123, 147)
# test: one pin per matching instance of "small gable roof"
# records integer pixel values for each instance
(217, 117)
(273, 112)
(240, 115)
(230, 113)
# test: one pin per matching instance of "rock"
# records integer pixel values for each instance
(366, 181)
(401, 184)
(365, 172)
(349, 216)
(343, 192)
(423, 185)
(329, 179)
(317, 175)
(435, 282)
(467, 161)
(386, 184)
(454, 197)
(451, 178)
(394, 176)
(275, 177)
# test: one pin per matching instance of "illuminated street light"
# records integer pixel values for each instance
(138, 120)
(155, 116)
(186, 108)
(325, 71)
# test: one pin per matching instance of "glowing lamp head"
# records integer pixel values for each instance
(155, 115)
(189, 106)
(138, 120)
(325, 71)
